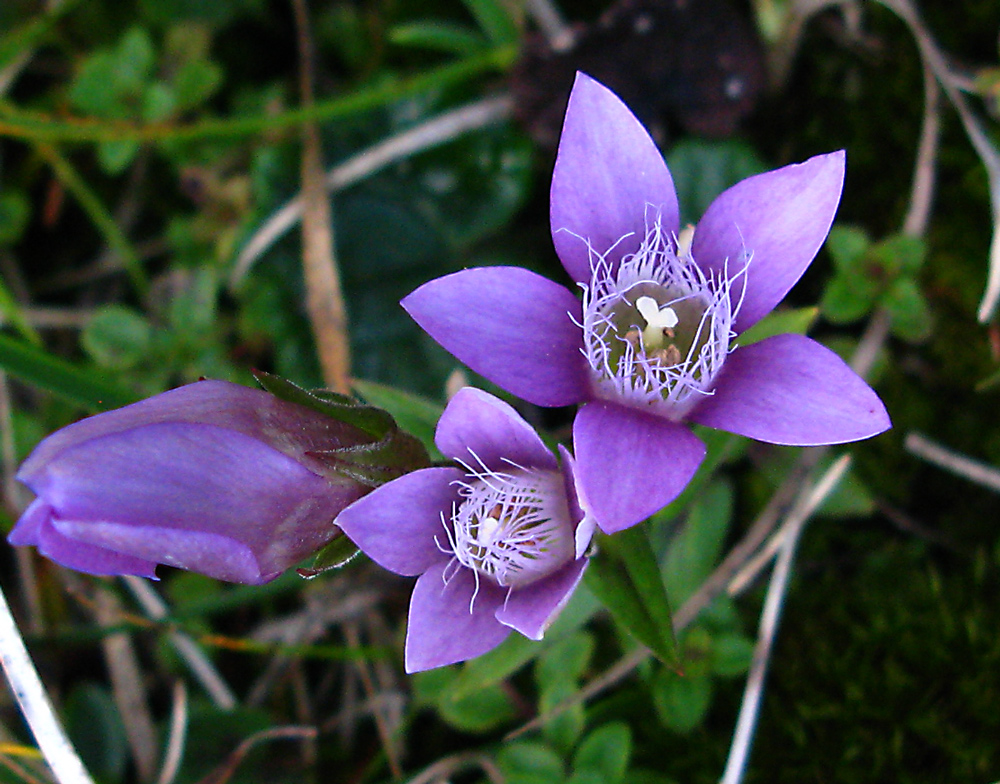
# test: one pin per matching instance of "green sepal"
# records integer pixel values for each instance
(626, 578)
(336, 553)
(373, 421)
(389, 455)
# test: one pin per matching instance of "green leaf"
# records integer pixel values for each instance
(438, 37)
(731, 654)
(95, 727)
(703, 169)
(850, 498)
(562, 731)
(780, 322)
(566, 659)
(697, 547)
(530, 758)
(117, 337)
(681, 702)
(847, 246)
(72, 383)
(480, 712)
(195, 83)
(11, 312)
(495, 20)
(846, 300)
(910, 316)
(115, 157)
(607, 750)
(15, 209)
(626, 578)
(899, 254)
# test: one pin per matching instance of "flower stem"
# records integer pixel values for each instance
(35, 705)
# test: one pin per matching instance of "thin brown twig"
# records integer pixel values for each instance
(324, 293)
(391, 754)
(127, 687)
(448, 766)
(225, 771)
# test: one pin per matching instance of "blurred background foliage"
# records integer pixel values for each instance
(143, 145)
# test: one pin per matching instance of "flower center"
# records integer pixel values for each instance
(657, 329)
(512, 526)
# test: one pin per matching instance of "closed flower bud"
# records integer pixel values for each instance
(214, 477)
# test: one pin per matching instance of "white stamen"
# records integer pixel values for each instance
(620, 367)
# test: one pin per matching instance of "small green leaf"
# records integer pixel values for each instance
(910, 317)
(626, 578)
(117, 337)
(681, 701)
(14, 213)
(781, 322)
(847, 246)
(530, 758)
(607, 750)
(95, 726)
(566, 659)
(562, 731)
(899, 254)
(115, 157)
(731, 654)
(703, 169)
(846, 300)
(480, 712)
(195, 83)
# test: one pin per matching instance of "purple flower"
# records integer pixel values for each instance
(212, 477)
(653, 342)
(498, 543)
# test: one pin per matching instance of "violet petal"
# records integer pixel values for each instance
(609, 179)
(398, 525)
(476, 426)
(446, 624)
(35, 528)
(510, 325)
(531, 609)
(287, 427)
(782, 218)
(789, 389)
(630, 463)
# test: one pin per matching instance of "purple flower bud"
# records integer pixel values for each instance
(213, 477)
(499, 543)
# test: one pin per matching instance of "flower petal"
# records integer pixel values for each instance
(476, 426)
(781, 218)
(608, 172)
(586, 525)
(396, 524)
(218, 556)
(788, 389)
(35, 528)
(630, 464)
(510, 325)
(447, 624)
(531, 609)
(175, 482)
(248, 411)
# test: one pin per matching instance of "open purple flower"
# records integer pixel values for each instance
(654, 341)
(498, 543)
(212, 477)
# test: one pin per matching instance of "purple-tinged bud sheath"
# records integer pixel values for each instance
(213, 477)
